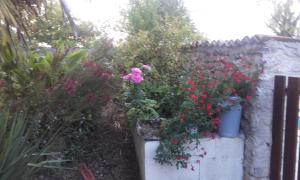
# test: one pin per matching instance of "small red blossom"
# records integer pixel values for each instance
(174, 141)
(216, 122)
(228, 66)
(204, 95)
(193, 96)
(178, 158)
(208, 106)
(247, 98)
(201, 102)
(191, 82)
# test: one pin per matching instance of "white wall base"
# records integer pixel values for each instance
(224, 161)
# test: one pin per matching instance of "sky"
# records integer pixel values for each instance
(217, 19)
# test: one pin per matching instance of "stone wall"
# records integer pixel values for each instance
(277, 56)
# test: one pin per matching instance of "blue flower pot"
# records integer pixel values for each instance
(230, 122)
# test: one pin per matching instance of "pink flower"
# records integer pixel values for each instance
(137, 78)
(147, 67)
(127, 77)
(136, 70)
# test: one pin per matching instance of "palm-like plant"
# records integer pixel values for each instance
(15, 15)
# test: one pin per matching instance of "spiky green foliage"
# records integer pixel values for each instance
(15, 149)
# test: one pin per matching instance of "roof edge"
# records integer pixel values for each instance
(256, 39)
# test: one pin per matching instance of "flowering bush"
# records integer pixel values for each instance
(209, 84)
(138, 106)
(61, 88)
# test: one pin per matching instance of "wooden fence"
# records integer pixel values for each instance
(284, 129)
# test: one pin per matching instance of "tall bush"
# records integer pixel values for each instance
(156, 31)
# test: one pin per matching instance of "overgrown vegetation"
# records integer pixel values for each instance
(69, 82)
(156, 31)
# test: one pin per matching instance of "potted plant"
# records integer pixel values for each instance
(230, 117)
(198, 117)
(141, 111)
(213, 92)
(235, 87)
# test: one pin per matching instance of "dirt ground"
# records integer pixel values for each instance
(109, 153)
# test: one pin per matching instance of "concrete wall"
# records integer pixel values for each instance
(224, 161)
(280, 58)
(277, 56)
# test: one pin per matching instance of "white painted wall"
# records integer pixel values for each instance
(224, 161)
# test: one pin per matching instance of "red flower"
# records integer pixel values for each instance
(206, 134)
(174, 142)
(201, 102)
(228, 66)
(191, 82)
(178, 158)
(247, 98)
(216, 122)
(204, 95)
(193, 97)
(208, 106)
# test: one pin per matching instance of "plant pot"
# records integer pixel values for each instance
(149, 129)
(230, 121)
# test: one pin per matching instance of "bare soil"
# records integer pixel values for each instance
(108, 152)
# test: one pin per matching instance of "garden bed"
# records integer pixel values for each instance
(109, 153)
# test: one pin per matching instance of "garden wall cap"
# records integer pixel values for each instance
(256, 39)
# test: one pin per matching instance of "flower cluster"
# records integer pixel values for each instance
(139, 106)
(209, 85)
(70, 86)
(135, 76)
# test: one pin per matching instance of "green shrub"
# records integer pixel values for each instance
(60, 88)
(16, 148)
